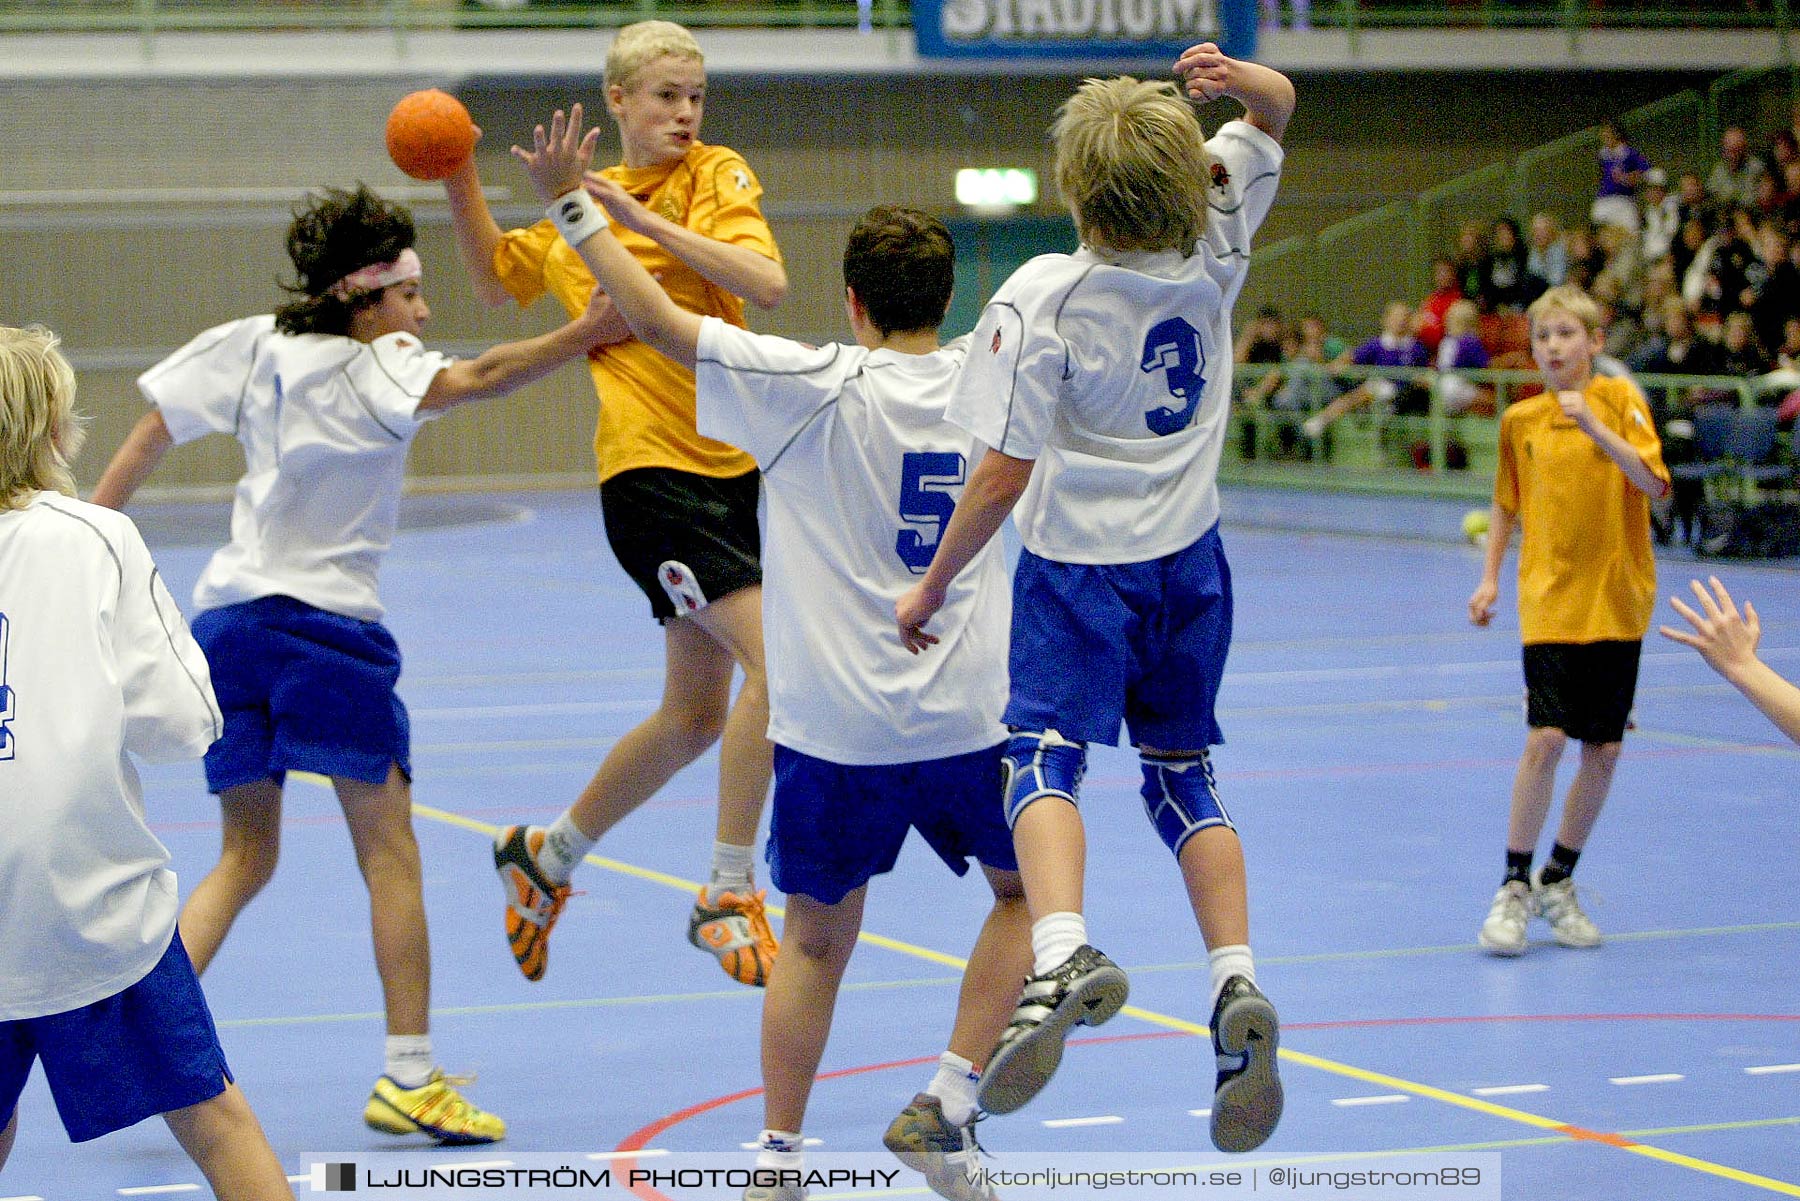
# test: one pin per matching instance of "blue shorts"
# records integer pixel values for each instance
(1094, 645)
(144, 1051)
(302, 690)
(835, 826)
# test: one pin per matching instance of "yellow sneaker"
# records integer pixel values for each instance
(434, 1108)
(532, 903)
(735, 930)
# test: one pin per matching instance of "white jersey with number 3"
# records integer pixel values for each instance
(860, 474)
(1113, 372)
(95, 662)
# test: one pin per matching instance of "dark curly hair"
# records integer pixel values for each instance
(902, 264)
(336, 233)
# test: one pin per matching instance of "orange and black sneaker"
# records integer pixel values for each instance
(735, 930)
(532, 903)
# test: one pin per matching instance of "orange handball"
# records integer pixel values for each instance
(429, 134)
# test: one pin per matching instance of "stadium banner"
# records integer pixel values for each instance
(1092, 29)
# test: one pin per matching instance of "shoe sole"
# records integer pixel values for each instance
(1578, 944)
(1500, 949)
(1022, 1068)
(1248, 1107)
(394, 1121)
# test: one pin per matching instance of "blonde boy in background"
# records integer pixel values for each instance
(679, 508)
(1579, 464)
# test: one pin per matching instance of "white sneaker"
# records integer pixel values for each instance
(1313, 426)
(1570, 926)
(1503, 933)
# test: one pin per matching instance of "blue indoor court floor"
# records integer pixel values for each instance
(1372, 736)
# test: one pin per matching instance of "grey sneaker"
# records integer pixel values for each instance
(923, 1139)
(1086, 990)
(1503, 933)
(1557, 903)
(1247, 1097)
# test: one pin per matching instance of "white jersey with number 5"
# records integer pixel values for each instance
(860, 474)
(325, 422)
(1113, 372)
(95, 662)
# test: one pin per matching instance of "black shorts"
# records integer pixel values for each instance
(1583, 689)
(685, 539)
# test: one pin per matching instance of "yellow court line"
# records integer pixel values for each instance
(1169, 1022)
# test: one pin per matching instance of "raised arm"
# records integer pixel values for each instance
(737, 269)
(144, 448)
(1727, 641)
(557, 164)
(1266, 94)
(511, 365)
(477, 233)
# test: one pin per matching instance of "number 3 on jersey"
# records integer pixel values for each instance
(925, 479)
(1173, 347)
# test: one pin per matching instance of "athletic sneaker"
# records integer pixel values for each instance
(1503, 933)
(1247, 1095)
(532, 903)
(434, 1108)
(735, 930)
(1087, 990)
(1556, 902)
(923, 1139)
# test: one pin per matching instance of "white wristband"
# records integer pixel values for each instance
(576, 216)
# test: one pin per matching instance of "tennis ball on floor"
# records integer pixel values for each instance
(1475, 524)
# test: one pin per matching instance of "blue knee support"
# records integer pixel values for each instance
(1040, 764)
(1181, 797)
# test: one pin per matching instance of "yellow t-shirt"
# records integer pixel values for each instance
(646, 401)
(1586, 573)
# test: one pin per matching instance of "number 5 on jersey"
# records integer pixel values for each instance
(926, 476)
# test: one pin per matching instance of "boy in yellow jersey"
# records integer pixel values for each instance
(680, 509)
(1579, 464)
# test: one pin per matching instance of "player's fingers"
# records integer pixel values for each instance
(575, 116)
(1752, 622)
(1680, 606)
(1726, 605)
(589, 141)
(1707, 605)
(1681, 636)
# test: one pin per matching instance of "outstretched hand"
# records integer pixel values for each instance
(558, 161)
(1205, 71)
(1725, 638)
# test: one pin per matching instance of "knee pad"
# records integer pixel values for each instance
(1181, 797)
(1040, 764)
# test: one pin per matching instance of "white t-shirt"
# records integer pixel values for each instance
(1113, 371)
(95, 661)
(860, 473)
(325, 422)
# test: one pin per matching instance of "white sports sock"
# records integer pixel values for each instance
(1227, 962)
(409, 1062)
(564, 847)
(730, 869)
(1055, 937)
(780, 1150)
(954, 1086)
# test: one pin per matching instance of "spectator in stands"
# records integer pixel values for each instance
(1742, 354)
(1585, 257)
(1622, 168)
(1733, 177)
(1262, 339)
(1445, 291)
(1506, 285)
(1681, 351)
(1783, 149)
(1691, 200)
(1771, 284)
(1624, 332)
(1765, 197)
(1547, 258)
(1621, 264)
(1662, 214)
(1470, 257)
(1394, 346)
(1302, 384)
(1691, 256)
(1788, 199)
(1459, 351)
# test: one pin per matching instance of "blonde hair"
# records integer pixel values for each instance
(1461, 317)
(1566, 298)
(1132, 166)
(39, 429)
(640, 44)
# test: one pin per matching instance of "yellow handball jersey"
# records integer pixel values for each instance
(1586, 573)
(646, 401)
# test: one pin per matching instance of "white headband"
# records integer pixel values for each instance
(376, 276)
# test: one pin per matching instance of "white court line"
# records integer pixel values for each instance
(1660, 1078)
(646, 1153)
(150, 1189)
(1066, 1123)
(1508, 1090)
(478, 1163)
(1382, 1099)
(28, 1197)
(1200, 1113)
(1769, 1069)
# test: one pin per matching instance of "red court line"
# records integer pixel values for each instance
(637, 1139)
